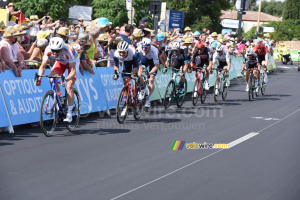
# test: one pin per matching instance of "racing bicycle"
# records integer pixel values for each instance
(199, 89)
(220, 85)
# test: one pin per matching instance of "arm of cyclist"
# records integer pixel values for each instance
(41, 71)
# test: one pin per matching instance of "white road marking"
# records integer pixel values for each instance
(268, 119)
(287, 67)
(242, 139)
(231, 144)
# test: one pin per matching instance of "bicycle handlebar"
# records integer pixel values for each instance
(49, 76)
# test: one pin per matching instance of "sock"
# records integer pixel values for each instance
(70, 108)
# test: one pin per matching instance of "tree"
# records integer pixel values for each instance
(272, 7)
(292, 9)
(115, 10)
(54, 8)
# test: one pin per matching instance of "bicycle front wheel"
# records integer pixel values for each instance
(225, 90)
(75, 112)
(216, 90)
(48, 113)
(181, 95)
(139, 105)
(195, 94)
(123, 104)
(250, 91)
(169, 94)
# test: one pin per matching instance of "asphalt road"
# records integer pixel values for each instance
(104, 160)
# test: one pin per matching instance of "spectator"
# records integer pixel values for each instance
(8, 54)
(47, 24)
(144, 23)
(38, 53)
(112, 48)
(72, 35)
(241, 46)
(147, 32)
(20, 35)
(94, 34)
(77, 29)
(2, 27)
(61, 23)
(80, 24)
(103, 23)
(117, 30)
(85, 62)
(127, 33)
(35, 27)
(102, 45)
(137, 37)
(187, 31)
(12, 13)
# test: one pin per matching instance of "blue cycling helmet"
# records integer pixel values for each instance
(214, 45)
(160, 37)
(103, 21)
(197, 33)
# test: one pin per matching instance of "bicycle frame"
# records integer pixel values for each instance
(132, 93)
(175, 74)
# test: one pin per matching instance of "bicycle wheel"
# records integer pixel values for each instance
(181, 95)
(263, 85)
(75, 111)
(216, 90)
(123, 105)
(139, 105)
(48, 113)
(250, 87)
(202, 92)
(169, 94)
(253, 86)
(195, 94)
(225, 90)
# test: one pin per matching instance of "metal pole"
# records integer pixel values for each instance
(241, 17)
(258, 17)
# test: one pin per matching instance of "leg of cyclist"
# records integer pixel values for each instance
(69, 87)
(152, 71)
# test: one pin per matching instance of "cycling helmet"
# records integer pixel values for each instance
(259, 45)
(214, 45)
(123, 46)
(160, 37)
(200, 45)
(56, 43)
(146, 42)
(175, 46)
(220, 47)
(197, 33)
(249, 51)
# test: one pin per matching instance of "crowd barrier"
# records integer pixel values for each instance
(20, 99)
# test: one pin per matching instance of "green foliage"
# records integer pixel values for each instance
(272, 7)
(54, 8)
(115, 10)
(292, 9)
(286, 30)
(205, 22)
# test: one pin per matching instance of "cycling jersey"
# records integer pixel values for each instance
(262, 54)
(251, 63)
(132, 61)
(180, 60)
(150, 59)
(223, 58)
(201, 58)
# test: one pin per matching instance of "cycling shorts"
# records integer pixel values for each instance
(60, 69)
(222, 65)
(148, 62)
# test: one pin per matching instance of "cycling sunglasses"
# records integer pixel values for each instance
(122, 52)
(200, 49)
(145, 48)
(219, 51)
(55, 51)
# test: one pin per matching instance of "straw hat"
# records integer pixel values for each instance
(214, 34)
(138, 33)
(63, 31)
(220, 36)
(19, 30)
(2, 25)
(32, 17)
(87, 29)
(103, 37)
(117, 40)
(42, 34)
(9, 31)
(10, 4)
(188, 40)
(187, 29)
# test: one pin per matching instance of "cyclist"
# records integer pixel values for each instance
(179, 59)
(251, 62)
(127, 58)
(223, 57)
(200, 58)
(262, 54)
(149, 57)
(64, 55)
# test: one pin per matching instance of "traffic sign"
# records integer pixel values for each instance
(230, 23)
(238, 4)
(268, 29)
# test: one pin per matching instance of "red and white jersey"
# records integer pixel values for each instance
(67, 55)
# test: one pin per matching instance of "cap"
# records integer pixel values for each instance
(144, 19)
(103, 21)
(160, 37)
(63, 31)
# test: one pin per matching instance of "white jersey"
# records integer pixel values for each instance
(224, 57)
(131, 53)
(153, 54)
(67, 55)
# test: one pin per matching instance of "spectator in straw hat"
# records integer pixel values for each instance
(137, 37)
(117, 30)
(20, 35)
(2, 27)
(12, 13)
(9, 54)
(63, 32)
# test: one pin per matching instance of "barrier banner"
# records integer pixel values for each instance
(4, 118)
(22, 97)
(91, 94)
(161, 82)
(111, 88)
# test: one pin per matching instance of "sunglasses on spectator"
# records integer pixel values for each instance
(55, 51)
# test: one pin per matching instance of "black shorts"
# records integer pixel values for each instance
(148, 62)
(222, 65)
(261, 58)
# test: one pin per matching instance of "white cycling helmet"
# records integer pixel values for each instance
(249, 51)
(175, 46)
(56, 43)
(123, 46)
(220, 47)
(146, 42)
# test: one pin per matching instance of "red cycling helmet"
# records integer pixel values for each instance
(259, 45)
(200, 44)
